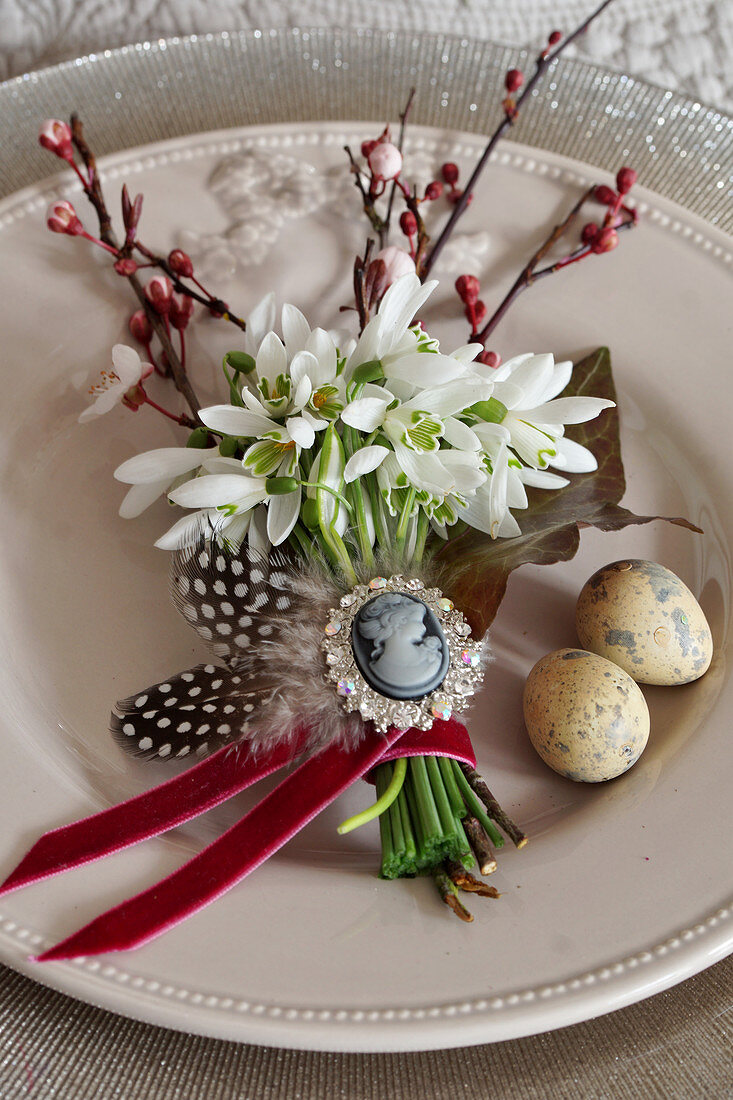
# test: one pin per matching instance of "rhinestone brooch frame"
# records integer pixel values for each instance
(465, 667)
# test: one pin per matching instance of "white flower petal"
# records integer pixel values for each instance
(425, 471)
(182, 532)
(542, 479)
(560, 378)
(567, 410)
(140, 497)
(260, 321)
(259, 543)
(303, 366)
(215, 490)
(322, 346)
(127, 364)
(165, 463)
(296, 329)
(451, 398)
(573, 458)
(364, 461)
(231, 420)
(460, 435)
(282, 515)
(300, 431)
(427, 369)
(272, 359)
(366, 413)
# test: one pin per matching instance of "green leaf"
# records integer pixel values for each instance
(479, 568)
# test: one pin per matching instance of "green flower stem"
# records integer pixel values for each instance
(327, 489)
(442, 802)
(385, 834)
(407, 830)
(404, 520)
(351, 445)
(446, 770)
(423, 527)
(476, 807)
(418, 831)
(301, 540)
(426, 808)
(381, 534)
(466, 855)
(383, 802)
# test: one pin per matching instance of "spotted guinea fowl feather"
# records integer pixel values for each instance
(198, 711)
(232, 599)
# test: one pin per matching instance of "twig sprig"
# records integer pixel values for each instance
(542, 63)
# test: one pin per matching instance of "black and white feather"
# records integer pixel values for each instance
(262, 619)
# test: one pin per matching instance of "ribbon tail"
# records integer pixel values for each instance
(225, 862)
(200, 788)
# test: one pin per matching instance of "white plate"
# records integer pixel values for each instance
(623, 888)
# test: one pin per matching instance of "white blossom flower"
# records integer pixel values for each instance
(122, 383)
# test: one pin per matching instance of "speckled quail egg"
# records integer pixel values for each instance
(585, 716)
(642, 617)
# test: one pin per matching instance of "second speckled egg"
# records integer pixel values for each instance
(585, 716)
(641, 616)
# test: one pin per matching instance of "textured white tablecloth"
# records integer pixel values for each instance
(683, 44)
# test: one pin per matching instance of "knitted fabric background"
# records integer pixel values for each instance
(683, 44)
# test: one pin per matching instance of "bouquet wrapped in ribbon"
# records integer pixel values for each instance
(348, 518)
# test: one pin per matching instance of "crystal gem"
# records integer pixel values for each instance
(378, 582)
(414, 584)
(348, 599)
(463, 629)
(345, 687)
(441, 709)
(470, 658)
(332, 628)
(445, 604)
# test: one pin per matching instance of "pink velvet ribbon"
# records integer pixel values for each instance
(298, 798)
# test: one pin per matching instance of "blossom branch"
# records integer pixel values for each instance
(542, 63)
(384, 231)
(596, 241)
(93, 191)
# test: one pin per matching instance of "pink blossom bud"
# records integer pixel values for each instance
(433, 190)
(158, 292)
(455, 194)
(408, 223)
(625, 180)
(449, 172)
(605, 195)
(375, 283)
(125, 266)
(62, 218)
(181, 311)
(397, 263)
(140, 327)
(476, 313)
(513, 80)
(55, 136)
(606, 240)
(555, 38)
(490, 359)
(468, 288)
(385, 161)
(367, 147)
(589, 233)
(180, 262)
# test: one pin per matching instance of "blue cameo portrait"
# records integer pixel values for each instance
(399, 646)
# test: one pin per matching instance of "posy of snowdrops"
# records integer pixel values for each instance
(370, 442)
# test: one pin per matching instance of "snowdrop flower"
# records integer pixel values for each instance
(527, 406)
(415, 429)
(121, 384)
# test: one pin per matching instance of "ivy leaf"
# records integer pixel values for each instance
(479, 568)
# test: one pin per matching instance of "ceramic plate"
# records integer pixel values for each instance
(624, 888)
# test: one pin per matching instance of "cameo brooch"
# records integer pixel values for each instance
(401, 654)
